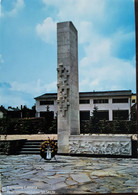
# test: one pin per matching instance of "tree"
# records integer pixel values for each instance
(94, 123)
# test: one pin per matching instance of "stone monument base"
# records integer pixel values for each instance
(100, 145)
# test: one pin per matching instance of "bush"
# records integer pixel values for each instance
(94, 125)
(22, 126)
(49, 125)
(106, 127)
(53, 128)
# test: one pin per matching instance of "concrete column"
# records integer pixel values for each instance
(68, 90)
(110, 115)
(110, 110)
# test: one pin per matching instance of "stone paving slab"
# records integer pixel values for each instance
(30, 174)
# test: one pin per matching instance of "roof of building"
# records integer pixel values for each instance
(47, 96)
(90, 94)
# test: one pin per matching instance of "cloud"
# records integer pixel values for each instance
(99, 70)
(16, 94)
(1, 59)
(47, 30)
(0, 10)
(117, 74)
(109, 62)
(14, 101)
(5, 85)
(99, 51)
(12, 98)
(84, 14)
(123, 43)
(101, 37)
(93, 17)
(17, 6)
(85, 28)
(74, 9)
(40, 87)
(107, 41)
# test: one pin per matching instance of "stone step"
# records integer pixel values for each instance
(31, 146)
(29, 149)
(29, 152)
(33, 143)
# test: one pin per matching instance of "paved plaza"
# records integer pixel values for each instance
(29, 174)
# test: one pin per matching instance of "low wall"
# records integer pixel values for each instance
(29, 137)
(55, 136)
(10, 146)
(100, 145)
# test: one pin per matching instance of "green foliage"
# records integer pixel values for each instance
(84, 127)
(53, 128)
(4, 147)
(28, 125)
(48, 120)
(94, 125)
(21, 126)
(48, 125)
(5, 124)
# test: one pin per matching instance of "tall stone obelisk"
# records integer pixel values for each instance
(68, 90)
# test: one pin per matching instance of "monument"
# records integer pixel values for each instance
(69, 138)
(68, 90)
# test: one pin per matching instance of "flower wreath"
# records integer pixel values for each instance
(46, 145)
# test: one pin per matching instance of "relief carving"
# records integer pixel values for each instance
(63, 89)
(101, 147)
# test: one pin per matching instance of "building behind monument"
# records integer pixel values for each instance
(110, 104)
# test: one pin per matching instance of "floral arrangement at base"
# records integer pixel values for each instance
(47, 146)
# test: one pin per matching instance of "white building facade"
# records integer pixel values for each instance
(109, 104)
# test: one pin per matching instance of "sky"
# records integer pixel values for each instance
(28, 46)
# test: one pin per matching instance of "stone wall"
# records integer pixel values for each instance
(100, 145)
(28, 137)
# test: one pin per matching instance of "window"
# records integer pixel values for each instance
(103, 114)
(84, 101)
(120, 100)
(120, 114)
(100, 101)
(84, 115)
(133, 101)
(48, 102)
